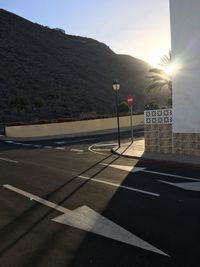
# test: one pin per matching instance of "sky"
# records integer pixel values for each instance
(140, 28)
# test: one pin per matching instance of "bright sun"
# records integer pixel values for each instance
(155, 60)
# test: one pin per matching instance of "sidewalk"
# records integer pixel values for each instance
(137, 150)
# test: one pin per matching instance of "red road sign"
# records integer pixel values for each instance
(130, 100)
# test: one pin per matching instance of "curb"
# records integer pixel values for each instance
(153, 160)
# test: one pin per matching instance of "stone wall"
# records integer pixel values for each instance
(186, 143)
(158, 130)
(159, 136)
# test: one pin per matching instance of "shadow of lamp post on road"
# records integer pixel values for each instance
(116, 87)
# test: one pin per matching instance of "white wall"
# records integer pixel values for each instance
(185, 36)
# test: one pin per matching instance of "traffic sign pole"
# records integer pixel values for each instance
(131, 123)
(130, 100)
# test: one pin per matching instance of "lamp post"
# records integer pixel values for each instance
(116, 87)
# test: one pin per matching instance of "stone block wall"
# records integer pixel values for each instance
(186, 143)
(158, 130)
(159, 137)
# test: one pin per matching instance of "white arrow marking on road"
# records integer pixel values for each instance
(195, 186)
(124, 168)
(89, 220)
(138, 169)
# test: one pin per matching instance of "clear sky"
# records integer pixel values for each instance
(136, 27)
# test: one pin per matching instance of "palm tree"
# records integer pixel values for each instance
(161, 77)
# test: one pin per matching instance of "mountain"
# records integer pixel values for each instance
(47, 74)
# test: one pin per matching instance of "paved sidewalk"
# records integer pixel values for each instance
(137, 150)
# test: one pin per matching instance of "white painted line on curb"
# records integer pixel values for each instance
(86, 219)
(119, 186)
(9, 160)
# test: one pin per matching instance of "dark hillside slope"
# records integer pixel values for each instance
(47, 74)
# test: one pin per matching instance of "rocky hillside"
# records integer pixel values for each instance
(46, 74)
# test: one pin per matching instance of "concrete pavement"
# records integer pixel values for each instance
(137, 150)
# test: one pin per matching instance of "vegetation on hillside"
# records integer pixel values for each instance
(46, 74)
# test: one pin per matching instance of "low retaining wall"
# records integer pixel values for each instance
(71, 128)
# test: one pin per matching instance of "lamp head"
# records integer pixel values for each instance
(116, 85)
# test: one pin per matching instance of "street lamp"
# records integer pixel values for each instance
(116, 87)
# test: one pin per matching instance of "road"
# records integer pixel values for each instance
(70, 202)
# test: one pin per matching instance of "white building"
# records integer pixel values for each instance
(182, 136)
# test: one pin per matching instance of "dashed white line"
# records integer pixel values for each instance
(60, 148)
(48, 147)
(76, 150)
(60, 142)
(9, 142)
(9, 160)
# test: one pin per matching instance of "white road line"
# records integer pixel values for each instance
(118, 185)
(194, 186)
(109, 144)
(101, 149)
(9, 142)
(48, 147)
(124, 168)
(76, 150)
(36, 198)
(132, 168)
(9, 160)
(37, 145)
(171, 175)
(60, 148)
(24, 144)
(91, 150)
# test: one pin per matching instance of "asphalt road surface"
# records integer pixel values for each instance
(70, 202)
